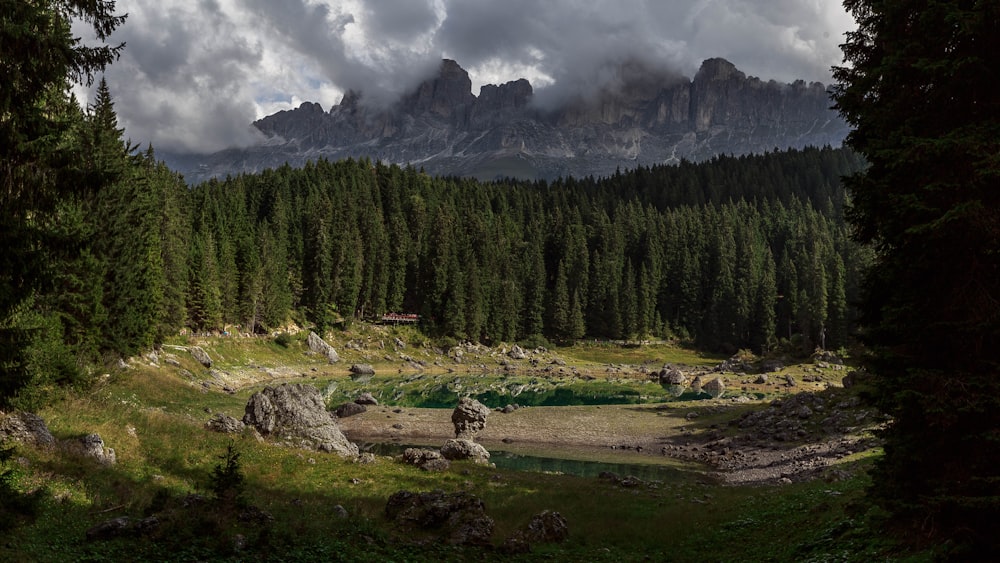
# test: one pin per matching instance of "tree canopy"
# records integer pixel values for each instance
(919, 88)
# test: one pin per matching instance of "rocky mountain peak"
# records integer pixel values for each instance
(642, 116)
(717, 69)
(444, 95)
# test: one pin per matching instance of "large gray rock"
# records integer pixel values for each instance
(91, 446)
(319, 346)
(362, 369)
(672, 376)
(297, 411)
(201, 355)
(469, 417)
(25, 427)
(465, 449)
(715, 387)
(460, 517)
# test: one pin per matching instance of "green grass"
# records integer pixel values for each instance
(655, 355)
(154, 418)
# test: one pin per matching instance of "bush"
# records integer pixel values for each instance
(283, 339)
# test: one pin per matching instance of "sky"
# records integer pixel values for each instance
(195, 73)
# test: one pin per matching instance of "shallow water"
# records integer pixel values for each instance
(522, 462)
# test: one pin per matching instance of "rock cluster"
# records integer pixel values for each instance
(428, 460)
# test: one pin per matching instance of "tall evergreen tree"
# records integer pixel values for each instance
(920, 91)
(39, 57)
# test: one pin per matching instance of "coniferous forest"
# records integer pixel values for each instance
(739, 252)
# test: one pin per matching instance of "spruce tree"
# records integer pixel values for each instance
(920, 90)
(39, 57)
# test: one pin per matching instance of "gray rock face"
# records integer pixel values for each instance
(469, 417)
(25, 427)
(201, 355)
(460, 518)
(319, 346)
(649, 117)
(296, 411)
(465, 449)
(224, 423)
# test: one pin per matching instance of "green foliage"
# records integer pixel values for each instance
(227, 482)
(926, 118)
(283, 339)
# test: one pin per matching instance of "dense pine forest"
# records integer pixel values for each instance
(749, 252)
(733, 253)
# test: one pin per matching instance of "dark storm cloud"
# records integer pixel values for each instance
(195, 74)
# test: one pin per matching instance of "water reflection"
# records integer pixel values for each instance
(520, 462)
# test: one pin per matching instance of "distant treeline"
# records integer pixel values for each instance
(731, 253)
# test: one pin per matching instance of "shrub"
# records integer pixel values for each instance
(228, 481)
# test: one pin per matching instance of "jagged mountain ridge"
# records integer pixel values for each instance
(645, 119)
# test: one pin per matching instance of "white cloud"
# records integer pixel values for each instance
(195, 73)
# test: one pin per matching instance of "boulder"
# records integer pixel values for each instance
(297, 411)
(517, 353)
(201, 355)
(91, 446)
(428, 460)
(469, 417)
(366, 398)
(25, 427)
(672, 376)
(460, 517)
(465, 449)
(349, 409)
(715, 387)
(224, 423)
(362, 369)
(319, 346)
(547, 527)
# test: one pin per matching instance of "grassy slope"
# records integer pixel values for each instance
(153, 418)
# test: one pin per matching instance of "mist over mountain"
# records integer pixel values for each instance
(640, 117)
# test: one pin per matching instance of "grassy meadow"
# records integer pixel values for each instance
(154, 419)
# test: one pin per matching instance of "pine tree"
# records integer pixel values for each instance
(920, 91)
(42, 159)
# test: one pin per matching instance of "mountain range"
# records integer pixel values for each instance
(641, 118)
